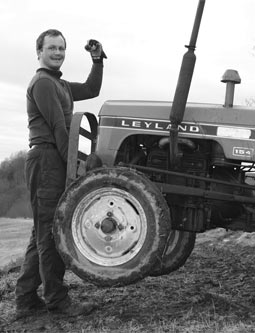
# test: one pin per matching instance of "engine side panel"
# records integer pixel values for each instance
(238, 143)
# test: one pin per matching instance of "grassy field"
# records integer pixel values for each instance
(14, 236)
(214, 292)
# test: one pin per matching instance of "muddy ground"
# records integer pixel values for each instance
(213, 292)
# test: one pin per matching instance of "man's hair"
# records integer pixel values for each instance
(50, 32)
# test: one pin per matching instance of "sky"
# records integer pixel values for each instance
(144, 41)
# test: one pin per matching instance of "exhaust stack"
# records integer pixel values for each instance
(183, 86)
(230, 77)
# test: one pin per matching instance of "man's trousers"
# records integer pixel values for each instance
(45, 176)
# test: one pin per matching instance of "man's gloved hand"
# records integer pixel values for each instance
(96, 50)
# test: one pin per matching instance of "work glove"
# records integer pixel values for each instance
(96, 50)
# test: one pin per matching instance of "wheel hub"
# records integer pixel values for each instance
(108, 225)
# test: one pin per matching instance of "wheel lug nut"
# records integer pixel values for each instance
(109, 214)
(97, 225)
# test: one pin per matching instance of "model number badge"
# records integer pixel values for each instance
(243, 152)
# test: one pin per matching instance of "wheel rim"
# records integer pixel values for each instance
(109, 226)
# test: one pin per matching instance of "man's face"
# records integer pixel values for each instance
(52, 54)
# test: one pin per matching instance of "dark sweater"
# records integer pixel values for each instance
(50, 105)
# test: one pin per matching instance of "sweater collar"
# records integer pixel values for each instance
(56, 74)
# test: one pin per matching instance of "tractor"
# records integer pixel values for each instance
(151, 176)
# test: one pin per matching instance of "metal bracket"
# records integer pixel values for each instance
(74, 155)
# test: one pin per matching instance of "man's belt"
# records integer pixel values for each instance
(44, 145)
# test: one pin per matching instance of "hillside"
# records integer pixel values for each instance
(212, 293)
(14, 195)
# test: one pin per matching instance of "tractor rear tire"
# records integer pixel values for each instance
(111, 226)
(178, 248)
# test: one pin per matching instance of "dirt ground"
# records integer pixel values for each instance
(213, 292)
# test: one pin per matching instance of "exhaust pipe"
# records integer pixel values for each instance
(183, 86)
(230, 77)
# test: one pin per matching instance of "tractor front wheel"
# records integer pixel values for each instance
(178, 248)
(111, 226)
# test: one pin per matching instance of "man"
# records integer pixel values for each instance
(49, 108)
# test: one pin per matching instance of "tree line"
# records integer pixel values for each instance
(14, 195)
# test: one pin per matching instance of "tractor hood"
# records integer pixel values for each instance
(195, 112)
